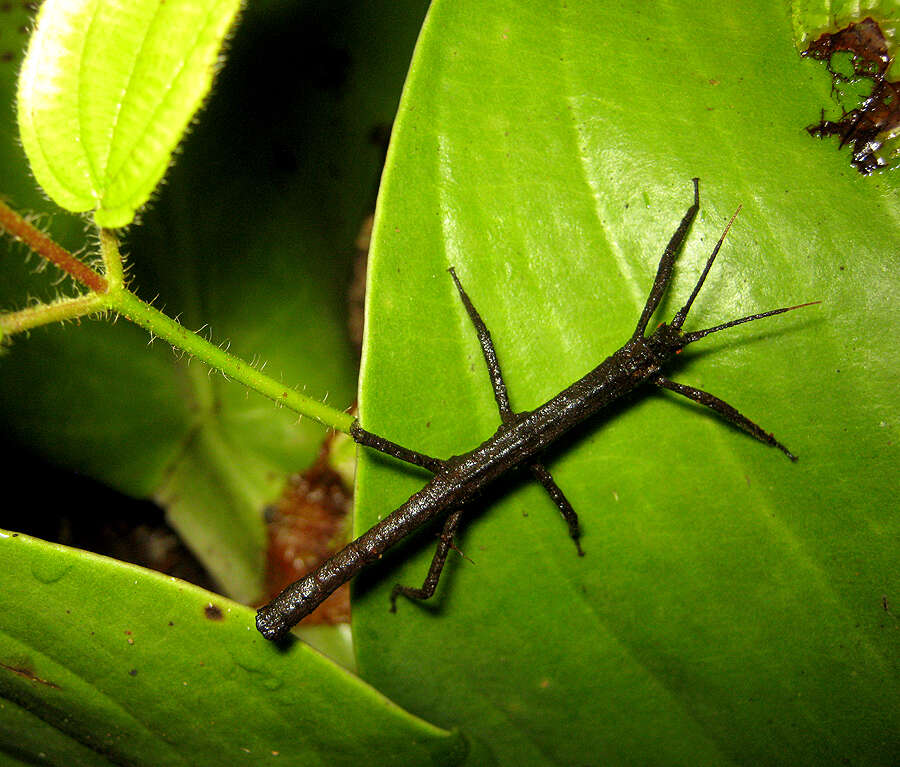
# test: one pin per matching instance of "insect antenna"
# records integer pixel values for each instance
(679, 318)
(681, 315)
(696, 335)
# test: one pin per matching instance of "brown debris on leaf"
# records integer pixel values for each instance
(306, 526)
(875, 120)
(22, 670)
(865, 41)
(356, 295)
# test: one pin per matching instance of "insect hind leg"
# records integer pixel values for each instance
(366, 438)
(437, 564)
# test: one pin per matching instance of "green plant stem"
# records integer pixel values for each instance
(130, 306)
(58, 311)
(112, 258)
(108, 292)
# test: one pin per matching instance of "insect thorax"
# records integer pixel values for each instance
(665, 341)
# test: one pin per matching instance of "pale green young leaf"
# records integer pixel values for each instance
(250, 239)
(106, 92)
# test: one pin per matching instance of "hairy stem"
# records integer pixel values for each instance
(109, 293)
(16, 226)
(58, 311)
(112, 259)
(130, 306)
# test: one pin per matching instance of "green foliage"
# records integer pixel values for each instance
(731, 607)
(813, 17)
(263, 267)
(155, 671)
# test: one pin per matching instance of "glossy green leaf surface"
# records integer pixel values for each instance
(151, 671)
(106, 92)
(732, 607)
(813, 17)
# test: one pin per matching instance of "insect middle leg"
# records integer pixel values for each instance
(437, 564)
(501, 395)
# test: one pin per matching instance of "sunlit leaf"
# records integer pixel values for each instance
(106, 92)
(813, 17)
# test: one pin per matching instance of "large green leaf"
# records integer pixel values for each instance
(106, 92)
(812, 18)
(732, 607)
(152, 671)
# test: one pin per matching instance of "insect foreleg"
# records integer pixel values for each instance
(725, 410)
(666, 264)
(437, 564)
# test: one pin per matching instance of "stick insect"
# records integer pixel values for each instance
(519, 441)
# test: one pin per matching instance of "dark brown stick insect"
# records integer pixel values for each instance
(519, 441)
